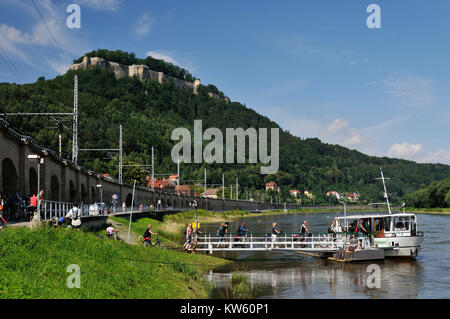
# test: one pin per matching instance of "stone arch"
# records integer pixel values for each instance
(72, 192)
(54, 188)
(9, 176)
(84, 194)
(33, 181)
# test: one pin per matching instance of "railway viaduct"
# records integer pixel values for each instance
(63, 181)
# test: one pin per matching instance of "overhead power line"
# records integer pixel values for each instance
(49, 31)
(11, 67)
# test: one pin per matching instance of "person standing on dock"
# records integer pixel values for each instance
(303, 231)
(223, 229)
(275, 232)
(242, 231)
(303, 228)
(360, 231)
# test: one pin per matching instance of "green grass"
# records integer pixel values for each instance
(240, 287)
(33, 264)
(436, 210)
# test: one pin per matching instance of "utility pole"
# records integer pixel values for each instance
(178, 176)
(153, 171)
(231, 191)
(205, 182)
(223, 186)
(75, 121)
(237, 189)
(120, 156)
(131, 212)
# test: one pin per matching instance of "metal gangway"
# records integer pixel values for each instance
(313, 243)
(52, 209)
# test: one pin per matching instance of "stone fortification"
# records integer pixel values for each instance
(141, 71)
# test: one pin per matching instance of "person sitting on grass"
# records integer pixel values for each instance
(148, 236)
(110, 231)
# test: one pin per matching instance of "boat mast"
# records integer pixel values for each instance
(385, 191)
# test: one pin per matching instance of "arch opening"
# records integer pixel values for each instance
(9, 176)
(54, 188)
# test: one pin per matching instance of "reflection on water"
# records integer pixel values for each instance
(291, 275)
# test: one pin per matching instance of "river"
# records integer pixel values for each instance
(291, 275)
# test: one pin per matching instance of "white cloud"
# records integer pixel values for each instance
(339, 132)
(59, 67)
(440, 156)
(408, 90)
(22, 44)
(405, 150)
(111, 5)
(143, 26)
(162, 55)
(416, 152)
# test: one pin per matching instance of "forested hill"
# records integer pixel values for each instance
(435, 195)
(150, 111)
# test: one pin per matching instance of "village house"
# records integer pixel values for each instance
(273, 187)
(308, 194)
(295, 192)
(353, 197)
(161, 185)
(183, 190)
(335, 194)
(210, 193)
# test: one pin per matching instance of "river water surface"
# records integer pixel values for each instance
(291, 275)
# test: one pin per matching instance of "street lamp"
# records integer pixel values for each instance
(101, 192)
(194, 204)
(345, 224)
(345, 213)
(40, 161)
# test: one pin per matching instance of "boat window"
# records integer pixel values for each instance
(352, 226)
(366, 224)
(379, 224)
(387, 223)
(401, 223)
(413, 223)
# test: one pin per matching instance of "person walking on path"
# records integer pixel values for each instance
(304, 231)
(148, 236)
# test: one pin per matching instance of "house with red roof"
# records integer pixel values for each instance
(273, 187)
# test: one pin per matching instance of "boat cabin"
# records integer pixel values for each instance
(383, 225)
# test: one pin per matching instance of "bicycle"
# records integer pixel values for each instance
(157, 242)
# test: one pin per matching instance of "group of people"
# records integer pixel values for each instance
(16, 207)
(191, 234)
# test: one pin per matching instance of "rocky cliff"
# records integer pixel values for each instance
(141, 71)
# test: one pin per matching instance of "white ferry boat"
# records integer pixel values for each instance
(396, 234)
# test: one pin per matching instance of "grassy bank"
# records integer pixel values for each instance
(33, 264)
(436, 211)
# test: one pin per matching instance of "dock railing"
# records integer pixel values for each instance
(314, 242)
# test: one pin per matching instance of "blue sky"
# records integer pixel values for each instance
(314, 67)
